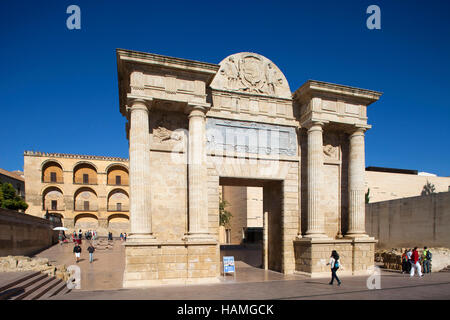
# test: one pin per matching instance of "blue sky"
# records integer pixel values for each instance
(59, 89)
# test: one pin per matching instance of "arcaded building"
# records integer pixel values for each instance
(194, 127)
(86, 192)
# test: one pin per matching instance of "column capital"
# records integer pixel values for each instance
(197, 108)
(357, 131)
(312, 125)
(139, 103)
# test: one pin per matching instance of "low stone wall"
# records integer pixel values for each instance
(392, 259)
(410, 222)
(312, 256)
(23, 234)
(21, 263)
(162, 263)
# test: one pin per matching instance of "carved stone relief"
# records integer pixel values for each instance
(165, 127)
(251, 73)
(331, 146)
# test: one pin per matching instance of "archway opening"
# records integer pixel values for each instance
(254, 232)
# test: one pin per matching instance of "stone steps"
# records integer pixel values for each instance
(33, 286)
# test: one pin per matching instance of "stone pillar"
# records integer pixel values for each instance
(356, 174)
(197, 175)
(316, 219)
(140, 214)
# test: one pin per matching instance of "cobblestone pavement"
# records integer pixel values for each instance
(393, 286)
(102, 279)
(105, 273)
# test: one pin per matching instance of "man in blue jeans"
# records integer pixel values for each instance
(426, 258)
(91, 250)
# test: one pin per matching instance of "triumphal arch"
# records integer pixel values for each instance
(193, 126)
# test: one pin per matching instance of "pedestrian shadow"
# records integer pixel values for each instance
(316, 282)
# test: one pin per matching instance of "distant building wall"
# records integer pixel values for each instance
(22, 234)
(387, 186)
(87, 192)
(15, 180)
(408, 222)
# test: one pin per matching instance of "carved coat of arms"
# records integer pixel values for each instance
(249, 73)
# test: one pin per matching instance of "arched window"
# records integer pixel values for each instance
(52, 172)
(85, 200)
(117, 175)
(84, 173)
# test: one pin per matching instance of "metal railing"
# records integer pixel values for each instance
(114, 207)
(49, 180)
(57, 208)
(85, 206)
(80, 180)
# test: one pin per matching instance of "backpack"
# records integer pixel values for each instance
(429, 255)
(336, 263)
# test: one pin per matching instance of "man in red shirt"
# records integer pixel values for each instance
(415, 263)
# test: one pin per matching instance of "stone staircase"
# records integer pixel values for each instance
(30, 285)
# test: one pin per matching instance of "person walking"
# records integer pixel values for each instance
(334, 264)
(77, 251)
(91, 250)
(415, 263)
(60, 238)
(405, 262)
(426, 258)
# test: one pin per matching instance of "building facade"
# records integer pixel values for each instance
(194, 127)
(86, 192)
(15, 179)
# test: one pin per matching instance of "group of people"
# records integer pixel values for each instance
(77, 250)
(413, 261)
(123, 236)
(89, 235)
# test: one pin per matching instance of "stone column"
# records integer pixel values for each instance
(356, 174)
(197, 175)
(315, 227)
(140, 214)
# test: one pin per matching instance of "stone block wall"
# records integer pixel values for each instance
(22, 234)
(312, 256)
(409, 222)
(180, 263)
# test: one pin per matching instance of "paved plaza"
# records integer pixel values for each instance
(103, 280)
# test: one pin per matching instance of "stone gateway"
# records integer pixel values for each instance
(194, 126)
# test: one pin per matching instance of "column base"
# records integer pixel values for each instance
(141, 238)
(355, 235)
(160, 263)
(356, 256)
(321, 236)
(198, 237)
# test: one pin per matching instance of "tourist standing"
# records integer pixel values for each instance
(77, 251)
(91, 250)
(60, 237)
(415, 263)
(125, 236)
(334, 264)
(121, 236)
(426, 258)
(405, 262)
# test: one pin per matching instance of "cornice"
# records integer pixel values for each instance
(72, 156)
